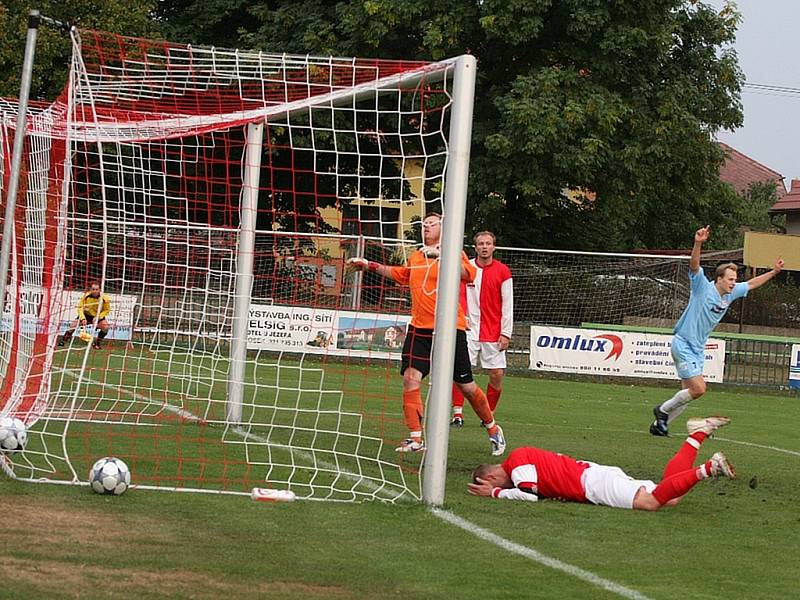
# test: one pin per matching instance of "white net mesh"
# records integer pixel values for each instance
(140, 192)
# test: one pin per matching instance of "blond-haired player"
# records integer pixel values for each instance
(421, 274)
(708, 303)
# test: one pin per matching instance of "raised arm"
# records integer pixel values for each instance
(700, 236)
(759, 280)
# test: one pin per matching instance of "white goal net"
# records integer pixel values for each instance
(214, 196)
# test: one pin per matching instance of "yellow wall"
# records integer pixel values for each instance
(413, 208)
(762, 249)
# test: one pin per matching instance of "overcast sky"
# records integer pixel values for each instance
(768, 45)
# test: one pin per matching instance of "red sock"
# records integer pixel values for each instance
(676, 485)
(685, 457)
(412, 409)
(493, 395)
(458, 400)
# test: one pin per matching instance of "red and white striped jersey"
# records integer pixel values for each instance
(489, 301)
(552, 475)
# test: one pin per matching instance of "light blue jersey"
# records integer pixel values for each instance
(705, 310)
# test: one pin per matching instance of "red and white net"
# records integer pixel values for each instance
(134, 179)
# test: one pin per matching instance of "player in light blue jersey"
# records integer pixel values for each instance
(708, 303)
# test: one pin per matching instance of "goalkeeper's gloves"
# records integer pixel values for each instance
(430, 251)
(361, 264)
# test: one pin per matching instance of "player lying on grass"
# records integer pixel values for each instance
(532, 474)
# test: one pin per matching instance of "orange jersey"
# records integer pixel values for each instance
(421, 275)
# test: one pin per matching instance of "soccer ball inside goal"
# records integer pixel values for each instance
(13, 435)
(110, 475)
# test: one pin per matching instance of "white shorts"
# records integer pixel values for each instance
(491, 356)
(611, 486)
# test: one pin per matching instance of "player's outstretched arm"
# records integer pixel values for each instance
(700, 236)
(362, 264)
(759, 280)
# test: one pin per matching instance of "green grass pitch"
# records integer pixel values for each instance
(728, 539)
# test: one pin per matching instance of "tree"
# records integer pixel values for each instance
(755, 205)
(594, 120)
(53, 49)
(621, 99)
(751, 213)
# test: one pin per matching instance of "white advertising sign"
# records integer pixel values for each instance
(323, 331)
(615, 353)
(794, 367)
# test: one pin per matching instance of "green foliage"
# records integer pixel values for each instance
(620, 98)
(755, 206)
(53, 48)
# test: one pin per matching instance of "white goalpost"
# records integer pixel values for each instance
(214, 196)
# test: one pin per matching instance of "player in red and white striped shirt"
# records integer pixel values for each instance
(531, 473)
(488, 302)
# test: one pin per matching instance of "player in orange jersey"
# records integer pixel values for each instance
(421, 274)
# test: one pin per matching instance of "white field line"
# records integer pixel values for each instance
(763, 447)
(538, 557)
(559, 565)
(365, 481)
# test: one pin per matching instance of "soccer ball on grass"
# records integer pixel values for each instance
(13, 435)
(110, 475)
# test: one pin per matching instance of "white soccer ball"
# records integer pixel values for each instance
(110, 475)
(13, 435)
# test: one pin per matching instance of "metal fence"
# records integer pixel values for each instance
(184, 280)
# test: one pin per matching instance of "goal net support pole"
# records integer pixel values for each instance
(455, 201)
(16, 157)
(244, 270)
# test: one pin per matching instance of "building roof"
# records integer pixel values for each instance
(789, 202)
(741, 171)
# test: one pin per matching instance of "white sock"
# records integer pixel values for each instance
(676, 412)
(675, 405)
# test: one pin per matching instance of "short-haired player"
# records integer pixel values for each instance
(489, 304)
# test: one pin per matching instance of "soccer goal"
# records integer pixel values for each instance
(215, 195)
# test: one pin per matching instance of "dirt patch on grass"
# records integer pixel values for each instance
(46, 548)
(43, 523)
(63, 579)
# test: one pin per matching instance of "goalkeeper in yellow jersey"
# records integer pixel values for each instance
(93, 307)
